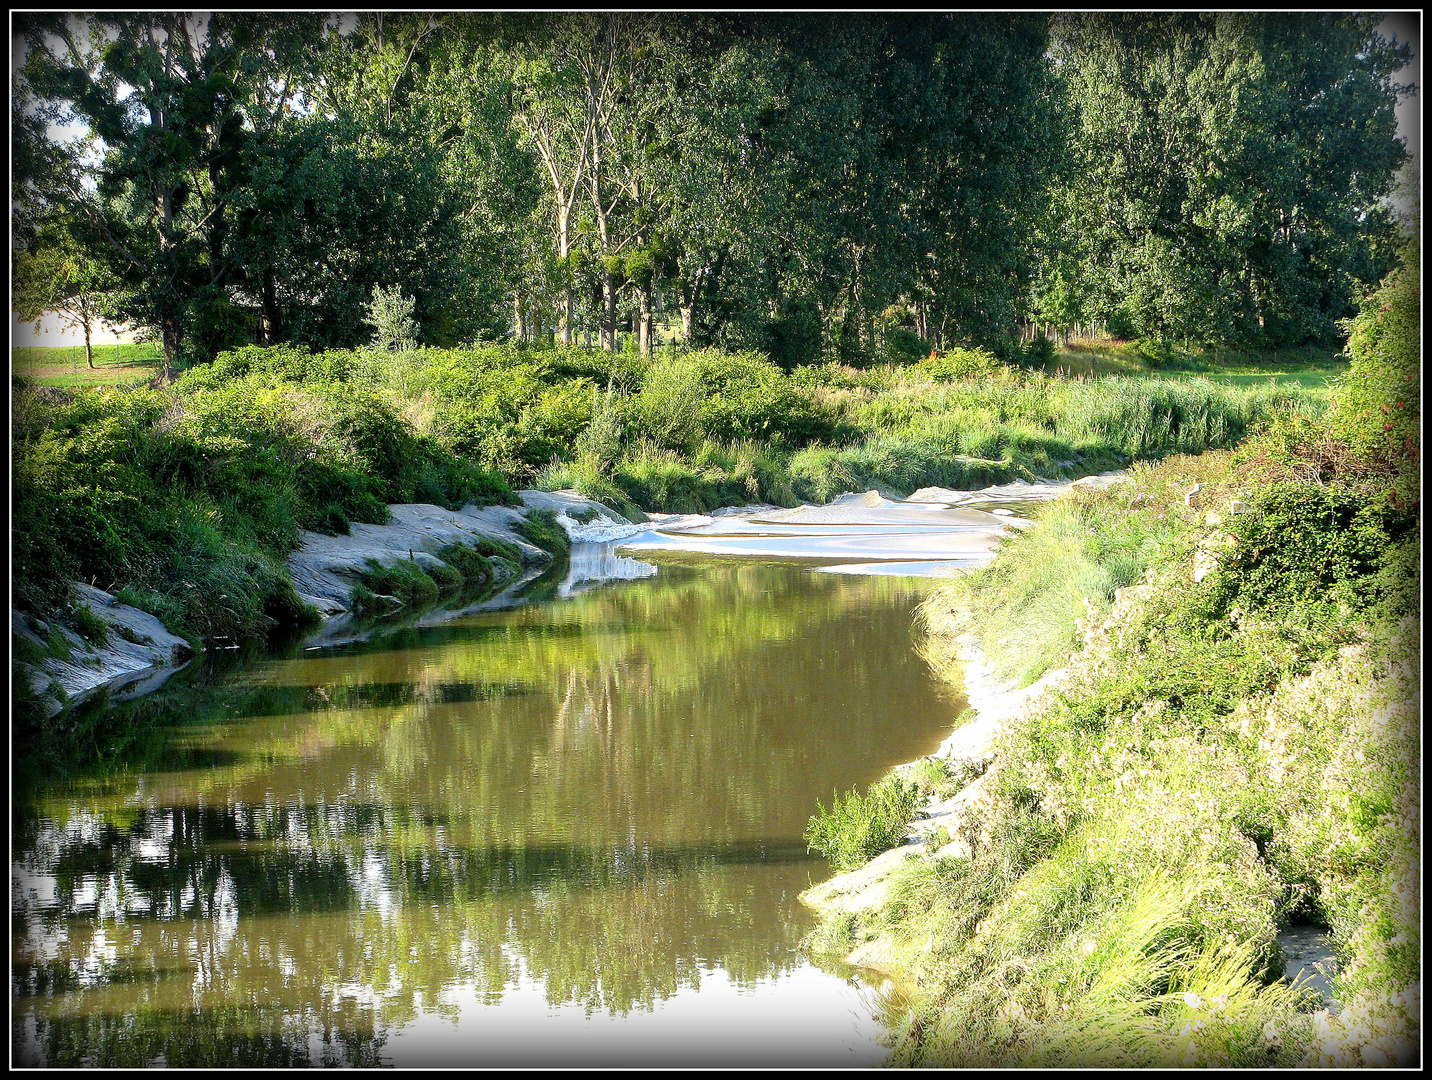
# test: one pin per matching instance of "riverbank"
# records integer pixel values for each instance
(186, 501)
(1221, 770)
(422, 552)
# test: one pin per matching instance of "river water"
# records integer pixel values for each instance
(565, 833)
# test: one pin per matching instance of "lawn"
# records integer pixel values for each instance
(64, 365)
(1307, 366)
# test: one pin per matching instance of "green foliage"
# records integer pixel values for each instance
(197, 493)
(473, 564)
(710, 395)
(404, 579)
(391, 316)
(961, 364)
(89, 625)
(858, 827)
(902, 346)
(1376, 407)
(833, 936)
(1191, 146)
(1156, 353)
(1039, 351)
(1305, 545)
(542, 528)
(1220, 756)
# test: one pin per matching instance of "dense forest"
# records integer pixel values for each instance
(854, 187)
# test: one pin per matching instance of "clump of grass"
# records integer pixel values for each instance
(89, 625)
(25, 649)
(542, 528)
(834, 935)
(447, 578)
(405, 580)
(858, 827)
(57, 645)
(470, 563)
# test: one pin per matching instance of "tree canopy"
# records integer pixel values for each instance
(806, 185)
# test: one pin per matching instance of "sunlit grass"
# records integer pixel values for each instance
(64, 365)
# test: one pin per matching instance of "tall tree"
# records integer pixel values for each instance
(175, 101)
(1228, 168)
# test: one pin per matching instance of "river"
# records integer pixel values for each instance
(564, 834)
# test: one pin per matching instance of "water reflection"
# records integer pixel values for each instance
(591, 805)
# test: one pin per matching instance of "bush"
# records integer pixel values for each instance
(1156, 353)
(1376, 405)
(1305, 545)
(390, 314)
(858, 827)
(1039, 351)
(710, 395)
(956, 364)
(902, 346)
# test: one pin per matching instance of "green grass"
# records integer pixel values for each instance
(64, 365)
(198, 491)
(1308, 366)
(857, 827)
(1222, 758)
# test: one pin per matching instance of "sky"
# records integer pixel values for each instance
(1407, 26)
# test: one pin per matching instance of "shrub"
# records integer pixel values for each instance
(957, 363)
(1039, 351)
(472, 564)
(391, 315)
(1156, 353)
(1376, 405)
(902, 346)
(858, 827)
(1307, 545)
(710, 395)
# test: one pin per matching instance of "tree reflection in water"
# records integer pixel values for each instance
(292, 860)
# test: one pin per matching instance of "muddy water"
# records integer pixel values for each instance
(565, 834)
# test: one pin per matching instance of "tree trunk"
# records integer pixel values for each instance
(643, 324)
(89, 352)
(519, 323)
(564, 251)
(609, 312)
(272, 318)
(686, 304)
(172, 336)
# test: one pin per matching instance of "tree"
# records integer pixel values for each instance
(175, 102)
(1227, 169)
(391, 316)
(66, 281)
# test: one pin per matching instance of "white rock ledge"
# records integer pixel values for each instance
(139, 655)
(141, 652)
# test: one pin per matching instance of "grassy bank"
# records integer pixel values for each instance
(1233, 749)
(189, 497)
(1308, 366)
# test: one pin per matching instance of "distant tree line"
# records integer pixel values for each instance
(811, 185)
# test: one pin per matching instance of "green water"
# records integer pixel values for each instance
(565, 834)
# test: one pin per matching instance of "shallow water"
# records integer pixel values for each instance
(564, 834)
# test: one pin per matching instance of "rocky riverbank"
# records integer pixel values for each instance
(128, 652)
